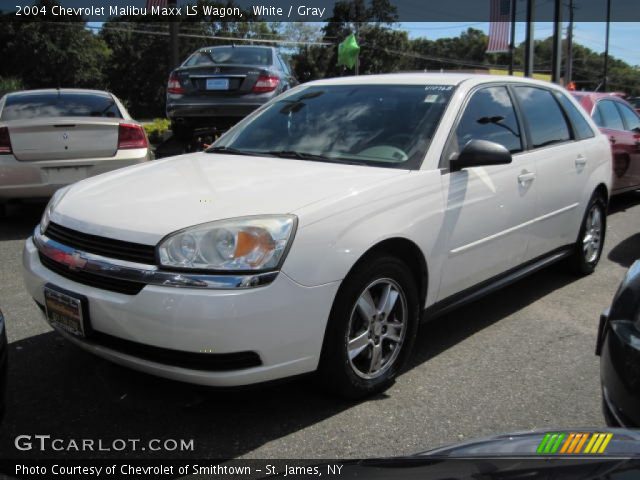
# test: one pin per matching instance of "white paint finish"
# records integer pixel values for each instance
(286, 335)
(486, 215)
(144, 203)
(469, 225)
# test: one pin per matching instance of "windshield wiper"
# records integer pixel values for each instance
(312, 156)
(230, 151)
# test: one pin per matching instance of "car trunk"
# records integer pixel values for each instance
(220, 80)
(62, 138)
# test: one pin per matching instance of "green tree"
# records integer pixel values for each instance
(53, 53)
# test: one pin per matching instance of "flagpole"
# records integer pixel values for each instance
(529, 43)
(605, 82)
(512, 44)
(358, 57)
(556, 63)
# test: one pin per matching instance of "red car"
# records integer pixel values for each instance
(619, 121)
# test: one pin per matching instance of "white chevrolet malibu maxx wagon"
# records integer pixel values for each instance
(315, 234)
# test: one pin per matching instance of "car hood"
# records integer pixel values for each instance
(145, 202)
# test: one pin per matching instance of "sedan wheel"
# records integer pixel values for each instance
(592, 234)
(371, 328)
(586, 253)
(377, 328)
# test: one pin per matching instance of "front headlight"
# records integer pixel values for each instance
(48, 211)
(246, 243)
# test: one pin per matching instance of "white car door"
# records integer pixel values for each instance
(561, 162)
(486, 208)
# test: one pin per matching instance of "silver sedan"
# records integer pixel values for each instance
(52, 138)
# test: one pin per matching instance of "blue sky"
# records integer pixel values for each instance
(623, 38)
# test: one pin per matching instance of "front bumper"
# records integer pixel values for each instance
(283, 323)
(620, 370)
(40, 179)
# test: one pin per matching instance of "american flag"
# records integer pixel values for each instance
(500, 26)
(156, 3)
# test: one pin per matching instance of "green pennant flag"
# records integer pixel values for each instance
(348, 51)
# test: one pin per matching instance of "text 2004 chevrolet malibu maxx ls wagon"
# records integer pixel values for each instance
(315, 233)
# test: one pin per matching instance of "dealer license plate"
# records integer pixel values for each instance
(64, 311)
(217, 84)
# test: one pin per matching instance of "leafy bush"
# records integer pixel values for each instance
(156, 129)
(10, 84)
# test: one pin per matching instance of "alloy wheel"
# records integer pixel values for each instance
(592, 234)
(377, 328)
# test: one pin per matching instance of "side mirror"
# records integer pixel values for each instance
(477, 153)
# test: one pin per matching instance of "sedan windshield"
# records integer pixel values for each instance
(380, 125)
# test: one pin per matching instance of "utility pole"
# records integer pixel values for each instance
(512, 44)
(605, 81)
(174, 47)
(568, 70)
(529, 43)
(556, 63)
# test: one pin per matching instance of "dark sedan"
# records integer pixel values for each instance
(619, 348)
(218, 86)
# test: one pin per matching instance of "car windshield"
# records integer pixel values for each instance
(380, 125)
(232, 56)
(59, 104)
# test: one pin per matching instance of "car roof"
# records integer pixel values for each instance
(204, 49)
(55, 91)
(429, 79)
(598, 95)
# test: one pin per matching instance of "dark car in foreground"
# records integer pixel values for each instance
(617, 119)
(218, 86)
(3, 366)
(619, 349)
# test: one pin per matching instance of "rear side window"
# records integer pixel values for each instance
(609, 115)
(489, 115)
(631, 119)
(545, 119)
(581, 128)
(62, 104)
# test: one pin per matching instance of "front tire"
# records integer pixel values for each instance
(371, 329)
(588, 247)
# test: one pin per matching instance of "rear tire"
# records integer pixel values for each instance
(588, 246)
(371, 329)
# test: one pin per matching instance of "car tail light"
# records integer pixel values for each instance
(266, 83)
(131, 136)
(5, 141)
(174, 85)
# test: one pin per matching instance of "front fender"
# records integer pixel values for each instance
(334, 235)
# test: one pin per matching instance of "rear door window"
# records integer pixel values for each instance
(631, 119)
(610, 115)
(546, 121)
(581, 128)
(59, 104)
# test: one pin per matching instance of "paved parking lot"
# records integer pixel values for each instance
(519, 359)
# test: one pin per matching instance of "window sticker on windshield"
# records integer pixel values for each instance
(438, 88)
(433, 98)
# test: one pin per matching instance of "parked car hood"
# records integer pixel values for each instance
(145, 202)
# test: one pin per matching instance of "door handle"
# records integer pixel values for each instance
(525, 177)
(581, 161)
